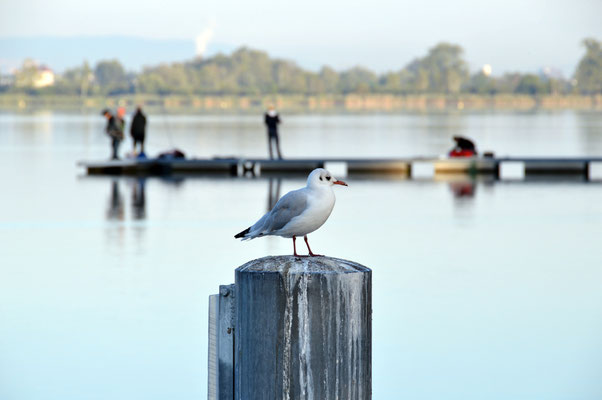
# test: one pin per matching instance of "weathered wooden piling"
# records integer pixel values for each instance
(303, 329)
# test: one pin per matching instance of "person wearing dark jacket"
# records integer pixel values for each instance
(272, 119)
(138, 129)
(464, 148)
(114, 131)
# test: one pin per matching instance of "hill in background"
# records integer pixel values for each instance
(61, 53)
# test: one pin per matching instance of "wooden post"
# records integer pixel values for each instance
(303, 329)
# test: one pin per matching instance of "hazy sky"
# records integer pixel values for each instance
(383, 35)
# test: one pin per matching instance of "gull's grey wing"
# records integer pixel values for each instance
(288, 207)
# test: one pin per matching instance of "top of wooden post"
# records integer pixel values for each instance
(296, 265)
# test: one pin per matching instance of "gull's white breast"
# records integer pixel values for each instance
(319, 206)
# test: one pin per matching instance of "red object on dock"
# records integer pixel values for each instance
(462, 153)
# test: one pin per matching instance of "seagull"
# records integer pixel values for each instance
(298, 212)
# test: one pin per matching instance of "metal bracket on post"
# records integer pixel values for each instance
(222, 317)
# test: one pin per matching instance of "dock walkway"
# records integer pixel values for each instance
(398, 166)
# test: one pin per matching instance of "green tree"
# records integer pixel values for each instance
(589, 70)
(330, 79)
(26, 76)
(508, 82)
(481, 84)
(152, 83)
(76, 80)
(111, 77)
(357, 80)
(442, 70)
(288, 77)
(531, 84)
(315, 84)
(390, 82)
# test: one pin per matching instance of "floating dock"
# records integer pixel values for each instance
(241, 166)
(352, 166)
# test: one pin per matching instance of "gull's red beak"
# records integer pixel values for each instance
(340, 183)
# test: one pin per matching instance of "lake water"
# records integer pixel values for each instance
(481, 289)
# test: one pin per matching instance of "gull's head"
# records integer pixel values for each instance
(320, 178)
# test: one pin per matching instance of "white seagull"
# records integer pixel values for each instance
(299, 212)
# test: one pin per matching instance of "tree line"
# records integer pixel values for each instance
(443, 70)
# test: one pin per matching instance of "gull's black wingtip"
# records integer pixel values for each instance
(242, 234)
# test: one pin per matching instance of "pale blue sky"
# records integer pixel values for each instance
(383, 35)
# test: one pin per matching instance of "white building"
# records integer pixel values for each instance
(44, 77)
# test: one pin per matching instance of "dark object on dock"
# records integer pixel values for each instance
(302, 329)
(464, 148)
(171, 155)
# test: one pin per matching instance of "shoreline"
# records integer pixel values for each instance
(352, 103)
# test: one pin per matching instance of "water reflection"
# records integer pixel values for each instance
(116, 203)
(115, 210)
(273, 192)
(463, 189)
(139, 199)
(590, 132)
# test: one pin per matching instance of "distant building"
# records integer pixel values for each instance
(34, 75)
(44, 78)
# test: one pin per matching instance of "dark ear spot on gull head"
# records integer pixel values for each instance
(321, 177)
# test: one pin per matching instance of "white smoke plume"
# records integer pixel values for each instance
(202, 39)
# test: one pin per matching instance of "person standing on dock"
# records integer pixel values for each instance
(272, 119)
(121, 118)
(115, 132)
(138, 129)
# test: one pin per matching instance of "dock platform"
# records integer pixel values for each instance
(352, 166)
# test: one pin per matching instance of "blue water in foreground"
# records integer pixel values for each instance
(482, 289)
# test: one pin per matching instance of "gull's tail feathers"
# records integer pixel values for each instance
(248, 234)
(243, 235)
(256, 230)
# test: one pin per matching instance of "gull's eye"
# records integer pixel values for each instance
(328, 178)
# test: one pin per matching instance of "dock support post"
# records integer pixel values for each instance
(303, 329)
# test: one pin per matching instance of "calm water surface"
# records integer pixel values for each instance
(482, 290)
